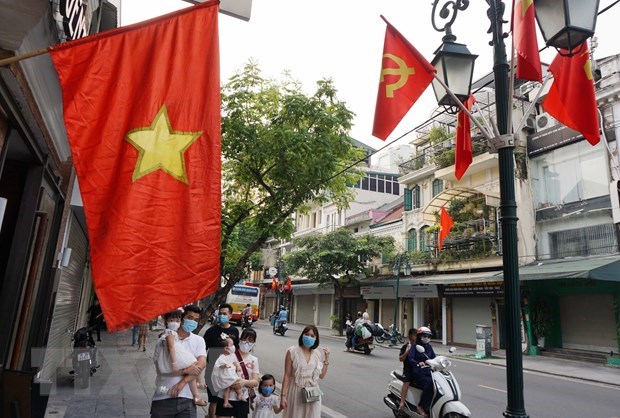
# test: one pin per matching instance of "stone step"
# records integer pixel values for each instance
(575, 355)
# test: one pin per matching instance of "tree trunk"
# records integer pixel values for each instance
(341, 311)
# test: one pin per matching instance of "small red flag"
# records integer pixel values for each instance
(405, 74)
(526, 44)
(463, 151)
(274, 283)
(142, 110)
(571, 98)
(446, 222)
(289, 285)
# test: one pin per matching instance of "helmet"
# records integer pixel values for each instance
(424, 331)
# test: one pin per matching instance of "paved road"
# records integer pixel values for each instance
(355, 384)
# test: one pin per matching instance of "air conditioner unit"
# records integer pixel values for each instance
(544, 121)
(530, 124)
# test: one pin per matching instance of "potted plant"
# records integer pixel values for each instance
(541, 321)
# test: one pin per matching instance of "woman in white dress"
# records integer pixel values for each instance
(303, 367)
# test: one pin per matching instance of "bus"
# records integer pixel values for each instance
(239, 296)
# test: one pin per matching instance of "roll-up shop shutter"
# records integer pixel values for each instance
(67, 303)
(305, 310)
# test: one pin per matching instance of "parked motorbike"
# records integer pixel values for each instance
(446, 397)
(281, 328)
(386, 335)
(83, 357)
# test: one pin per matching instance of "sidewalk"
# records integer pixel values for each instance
(599, 373)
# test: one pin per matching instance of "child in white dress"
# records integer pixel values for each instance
(175, 357)
(226, 372)
(267, 404)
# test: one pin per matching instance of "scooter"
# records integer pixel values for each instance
(384, 335)
(83, 357)
(363, 345)
(446, 397)
(281, 328)
(247, 322)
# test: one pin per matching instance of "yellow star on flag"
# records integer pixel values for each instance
(161, 148)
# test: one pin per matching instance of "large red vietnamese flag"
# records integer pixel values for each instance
(571, 98)
(405, 74)
(463, 155)
(142, 111)
(526, 44)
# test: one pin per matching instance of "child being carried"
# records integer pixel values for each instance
(226, 372)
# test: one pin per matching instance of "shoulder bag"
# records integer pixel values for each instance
(246, 375)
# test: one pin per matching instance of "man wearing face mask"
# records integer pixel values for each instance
(215, 341)
(173, 397)
(421, 372)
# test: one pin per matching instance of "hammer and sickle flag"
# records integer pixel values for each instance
(405, 74)
(141, 106)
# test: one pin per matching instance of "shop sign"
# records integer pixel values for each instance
(384, 292)
(474, 289)
(418, 291)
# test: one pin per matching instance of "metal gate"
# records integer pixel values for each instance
(67, 303)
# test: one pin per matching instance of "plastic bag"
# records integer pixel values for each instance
(365, 333)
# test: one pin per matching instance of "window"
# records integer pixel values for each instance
(408, 206)
(423, 243)
(415, 197)
(437, 187)
(373, 183)
(412, 240)
(396, 189)
(592, 240)
(570, 174)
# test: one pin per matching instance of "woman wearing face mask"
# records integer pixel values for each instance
(421, 372)
(249, 381)
(303, 367)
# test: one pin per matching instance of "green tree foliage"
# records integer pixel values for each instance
(281, 149)
(337, 258)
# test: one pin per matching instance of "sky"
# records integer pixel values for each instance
(343, 40)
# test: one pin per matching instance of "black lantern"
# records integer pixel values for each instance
(455, 67)
(566, 24)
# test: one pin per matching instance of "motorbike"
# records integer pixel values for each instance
(281, 328)
(83, 357)
(247, 322)
(359, 343)
(446, 397)
(386, 335)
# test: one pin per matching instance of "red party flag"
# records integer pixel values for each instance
(405, 74)
(526, 44)
(446, 222)
(463, 151)
(289, 285)
(571, 98)
(274, 283)
(142, 111)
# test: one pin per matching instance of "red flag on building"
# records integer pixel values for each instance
(526, 44)
(405, 74)
(142, 111)
(571, 98)
(274, 283)
(289, 285)
(446, 222)
(463, 151)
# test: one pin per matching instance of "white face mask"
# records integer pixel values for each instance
(246, 346)
(173, 325)
(425, 340)
(231, 349)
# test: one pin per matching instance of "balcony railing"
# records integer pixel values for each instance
(441, 155)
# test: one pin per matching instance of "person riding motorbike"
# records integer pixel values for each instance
(282, 316)
(350, 330)
(407, 366)
(421, 373)
(359, 323)
(246, 314)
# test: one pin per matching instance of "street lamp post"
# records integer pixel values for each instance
(565, 24)
(397, 266)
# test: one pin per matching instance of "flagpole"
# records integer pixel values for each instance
(21, 57)
(463, 107)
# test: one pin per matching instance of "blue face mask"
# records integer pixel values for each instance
(268, 391)
(307, 341)
(223, 319)
(189, 325)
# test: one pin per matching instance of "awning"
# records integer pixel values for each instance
(486, 276)
(312, 289)
(599, 268)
